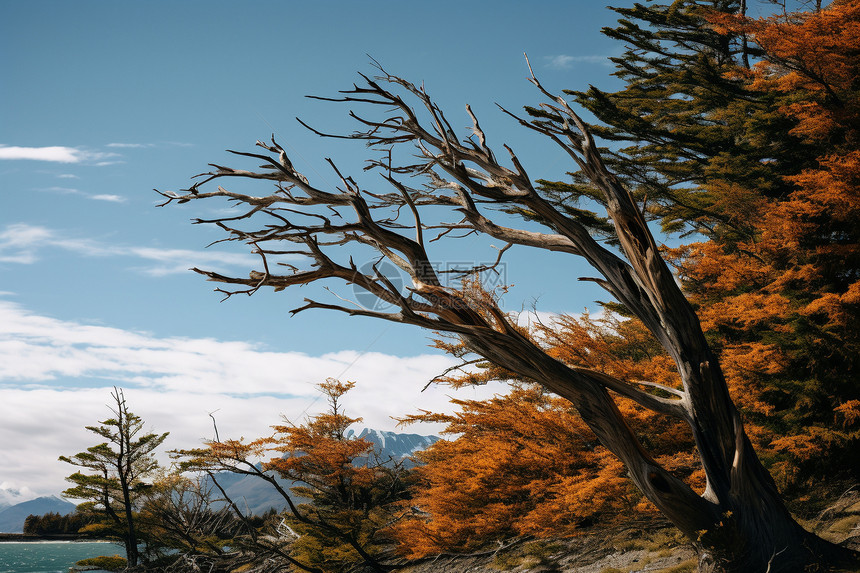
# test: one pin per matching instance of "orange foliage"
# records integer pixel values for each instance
(780, 304)
(352, 494)
(521, 464)
(782, 307)
(526, 464)
(318, 452)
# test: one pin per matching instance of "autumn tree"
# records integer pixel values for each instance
(349, 486)
(522, 464)
(342, 498)
(765, 171)
(803, 263)
(739, 522)
(116, 473)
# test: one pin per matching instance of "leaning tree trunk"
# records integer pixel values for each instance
(739, 524)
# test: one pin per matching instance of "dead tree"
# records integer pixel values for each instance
(739, 523)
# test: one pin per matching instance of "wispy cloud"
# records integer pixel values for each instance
(128, 145)
(47, 365)
(17, 243)
(564, 61)
(108, 197)
(67, 176)
(63, 190)
(74, 191)
(22, 243)
(131, 145)
(59, 154)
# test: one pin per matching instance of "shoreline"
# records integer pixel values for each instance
(57, 537)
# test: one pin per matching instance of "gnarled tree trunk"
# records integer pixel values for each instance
(739, 524)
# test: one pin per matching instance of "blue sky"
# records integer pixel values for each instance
(100, 102)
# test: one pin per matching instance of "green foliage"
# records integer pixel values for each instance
(116, 472)
(690, 138)
(53, 523)
(744, 131)
(112, 563)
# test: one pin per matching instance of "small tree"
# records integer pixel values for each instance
(352, 492)
(116, 472)
(186, 529)
(349, 486)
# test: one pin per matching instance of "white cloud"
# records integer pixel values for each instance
(16, 243)
(110, 198)
(21, 243)
(57, 377)
(534, 318)
(10, 494)
(564, 61)
(67, 176)
(56, 153)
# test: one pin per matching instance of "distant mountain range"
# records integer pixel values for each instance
(12, 517)
(256, 496)
(394, 445)
(250, 493)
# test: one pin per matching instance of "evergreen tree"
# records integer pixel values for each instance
(689, 136)
(783, 307)
(746, 132)
(116, 472)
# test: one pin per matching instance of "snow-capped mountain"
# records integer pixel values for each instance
(256, 496)
(252, 494)
(394, 445)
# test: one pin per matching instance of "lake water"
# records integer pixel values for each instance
(50, 556)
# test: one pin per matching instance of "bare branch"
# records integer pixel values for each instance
(460, 176)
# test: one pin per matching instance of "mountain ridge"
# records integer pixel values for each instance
(12, 517)
(257, 496)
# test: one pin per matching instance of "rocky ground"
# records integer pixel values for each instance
(652, 546)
